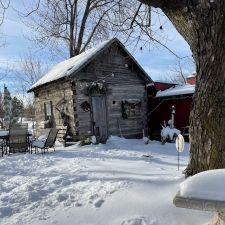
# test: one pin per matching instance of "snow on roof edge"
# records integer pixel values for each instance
(72, 65)
(165, 82)
(177, 90)
(192, 75)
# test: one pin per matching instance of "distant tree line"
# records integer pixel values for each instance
(12, 109)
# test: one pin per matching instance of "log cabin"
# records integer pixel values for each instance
(100, 92)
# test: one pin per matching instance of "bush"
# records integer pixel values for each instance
(85, 141)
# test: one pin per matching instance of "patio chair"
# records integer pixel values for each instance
(47, 143)
(17, 140)
(2, 147)
(4, 136)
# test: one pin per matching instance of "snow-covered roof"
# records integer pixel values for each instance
(76, 63)
(177, 90)
(151, 84)
(191, 75)
(165, 82)
(205, 185)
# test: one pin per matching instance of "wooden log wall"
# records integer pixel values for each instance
(133, 125)
(60, 93)
(123, 83)
(83, 118)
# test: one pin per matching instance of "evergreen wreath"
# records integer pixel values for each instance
(125, 105)
(85, 106)
(97, 88)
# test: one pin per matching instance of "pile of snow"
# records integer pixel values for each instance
(169, 133)
(106, 184)
(205, 185)
(177, 90)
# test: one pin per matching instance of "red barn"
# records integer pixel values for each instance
(162, 99)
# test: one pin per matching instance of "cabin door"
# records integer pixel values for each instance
(99, 115)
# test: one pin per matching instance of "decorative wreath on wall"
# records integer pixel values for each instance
(127, 106)
(85, 106)
(97, 88)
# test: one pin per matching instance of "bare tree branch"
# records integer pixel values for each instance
(135, 15)
(37, 4)
(73, 23)
(169, 4)
(4, 4)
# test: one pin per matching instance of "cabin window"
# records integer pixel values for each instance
(48, 110)
(131, 109)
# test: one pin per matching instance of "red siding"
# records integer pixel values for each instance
(191, 80)
(162, 86)
(163, 113)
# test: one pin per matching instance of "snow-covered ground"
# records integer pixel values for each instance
(123, 182)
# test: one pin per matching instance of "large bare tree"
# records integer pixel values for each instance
(201, 23)
(74, 23)
(179, 72)
(4, 4)
(29, 70)
(79, 24)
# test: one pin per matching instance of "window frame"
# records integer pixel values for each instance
(48, 110)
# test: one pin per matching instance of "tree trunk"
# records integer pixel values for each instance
(204, 30)
(202, 24)
(207, 145)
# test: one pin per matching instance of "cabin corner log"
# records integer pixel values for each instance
(218, 207)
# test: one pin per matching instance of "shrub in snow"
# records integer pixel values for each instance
(169, 134)
(146, 140)
(93, 140)
(85, 140)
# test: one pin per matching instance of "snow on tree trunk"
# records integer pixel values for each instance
(7, 107)
(202, 24)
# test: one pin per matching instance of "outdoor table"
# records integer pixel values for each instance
(4, 135)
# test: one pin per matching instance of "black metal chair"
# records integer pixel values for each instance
(49, 142)
(2, 147)
(17, 140)
(4, 137)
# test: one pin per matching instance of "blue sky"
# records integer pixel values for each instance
(157, 61)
